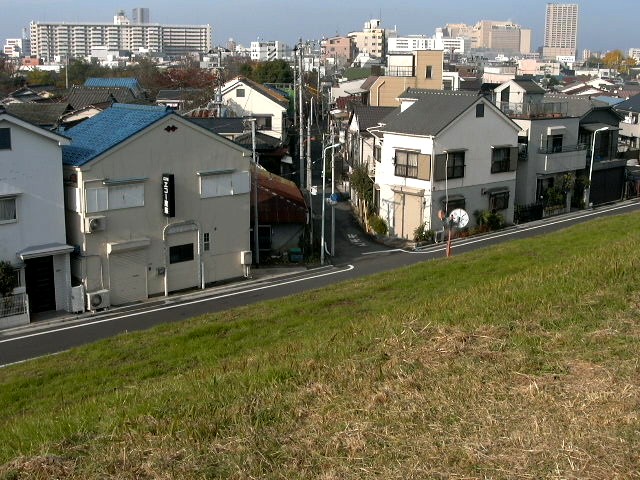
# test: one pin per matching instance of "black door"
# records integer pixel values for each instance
(40, 284)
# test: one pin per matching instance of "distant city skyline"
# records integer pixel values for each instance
(600, 27)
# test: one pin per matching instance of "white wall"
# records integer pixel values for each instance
(32, 166)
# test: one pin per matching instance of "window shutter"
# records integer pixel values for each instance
(424, 166)
(440, 170)
(513, 159)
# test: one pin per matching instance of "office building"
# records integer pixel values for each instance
(560, 30)
(51, 40)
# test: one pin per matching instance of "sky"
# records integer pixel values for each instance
(602, 26)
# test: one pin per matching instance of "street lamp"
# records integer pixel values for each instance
(324, 200)
(587, 190)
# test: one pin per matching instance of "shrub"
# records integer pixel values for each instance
(8, 278)
(489, 220)
(422, 234)
(378, 225)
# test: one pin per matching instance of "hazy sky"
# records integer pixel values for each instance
(602, 25)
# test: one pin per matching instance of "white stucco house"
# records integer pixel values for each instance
(155, 204)
(444, 150)
(242, 97)
(32, 231)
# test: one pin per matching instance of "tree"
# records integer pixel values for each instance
(275, 71)
(613, 59)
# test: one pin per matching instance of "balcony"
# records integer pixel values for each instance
(534, 110)
(400, 72)
(567, 158)
(550, 150)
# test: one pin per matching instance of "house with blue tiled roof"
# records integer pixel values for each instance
(126, 82)
(155, 204)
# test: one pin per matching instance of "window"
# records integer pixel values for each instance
(5, 139)
(449, 165)
(429, 72)
(480, 110)
(406, 164)
(224, 184)
(455, 201)
(455, 168)
(114, 197)
(504, 159)
(377, 153)
(8, 213)
(239, 92)
(181, 253)
(263, 123)
(126, 196)
(206, 243)
(499, 200)
(554, 143)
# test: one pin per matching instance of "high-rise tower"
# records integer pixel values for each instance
(560, 30)
(140, 15)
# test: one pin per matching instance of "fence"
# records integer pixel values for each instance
(13, 305)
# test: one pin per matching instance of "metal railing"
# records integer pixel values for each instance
(534, 110)
(400, 71)
(563, 149)
(14, 305)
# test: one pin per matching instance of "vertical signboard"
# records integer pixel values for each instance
(168, 195)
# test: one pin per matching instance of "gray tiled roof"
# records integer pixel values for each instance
(81, 97)
(630, 105)
(369, 116)
(434, 110)
(577, 106)
(220, 125)
(41, 114)
(529, 86)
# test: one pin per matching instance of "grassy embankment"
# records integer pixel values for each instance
(519, 361)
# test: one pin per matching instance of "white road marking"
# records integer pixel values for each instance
(169, 307)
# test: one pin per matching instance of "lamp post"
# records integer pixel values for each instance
(587, 190)
(324, 200)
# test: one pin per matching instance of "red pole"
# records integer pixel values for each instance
(449, 243)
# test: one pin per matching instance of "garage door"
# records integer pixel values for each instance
(128, 274)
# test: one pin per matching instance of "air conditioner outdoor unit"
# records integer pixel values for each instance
(94, 224)
(246, 257)
(98, 300)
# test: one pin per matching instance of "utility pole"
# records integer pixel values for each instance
(301, 113)
(256, 237)
(309, 121)
(333, 190)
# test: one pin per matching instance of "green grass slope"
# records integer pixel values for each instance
(519, 361)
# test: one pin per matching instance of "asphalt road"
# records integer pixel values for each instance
(357, 255)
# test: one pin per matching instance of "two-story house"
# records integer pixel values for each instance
(555, 139)
(32, 234)
(362, 146)
(155, 204)
(630, 126)
(444, 150)
(242, 97)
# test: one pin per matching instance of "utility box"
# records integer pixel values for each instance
(77, 299)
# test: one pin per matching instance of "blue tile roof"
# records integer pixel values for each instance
(128, 82)
(110, 127)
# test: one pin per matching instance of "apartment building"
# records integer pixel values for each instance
(75, 40)
(371, 40)
(410, 43)
(560, 30)
(271, 50)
